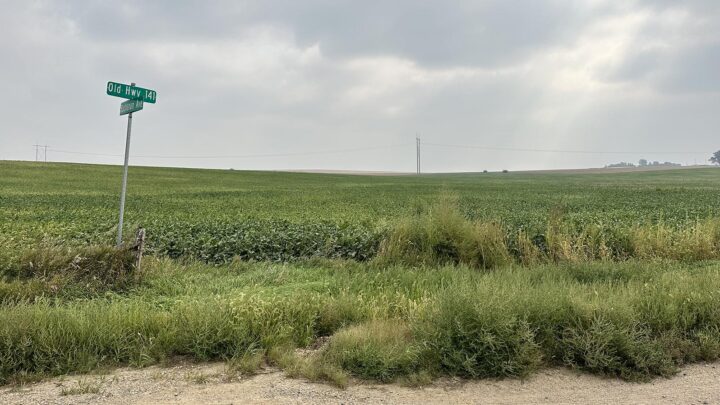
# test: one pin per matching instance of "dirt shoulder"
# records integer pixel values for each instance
(212, 384)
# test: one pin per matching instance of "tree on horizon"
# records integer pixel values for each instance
(715, 158)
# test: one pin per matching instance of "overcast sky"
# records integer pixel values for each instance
(348, 84)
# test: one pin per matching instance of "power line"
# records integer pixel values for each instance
(37, 151)
(320, 152)
(83, 153)
(308, 153)
(418, 144)
(556, 150)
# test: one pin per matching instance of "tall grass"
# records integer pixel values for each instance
(47, 271)
(698, 242)
(442, 235)
(380, 350)
(633, 319)
(629, 320)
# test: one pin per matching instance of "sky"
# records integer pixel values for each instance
(349, 85)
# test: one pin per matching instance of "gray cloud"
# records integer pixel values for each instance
(259, 77)
(677, 51)
(429, 32)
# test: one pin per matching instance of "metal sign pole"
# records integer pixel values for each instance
(124, 182)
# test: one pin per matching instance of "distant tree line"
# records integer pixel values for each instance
(714, 159)
(621, 164)
(645, 162)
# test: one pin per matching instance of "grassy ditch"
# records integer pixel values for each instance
(634, 319)
(52, 271)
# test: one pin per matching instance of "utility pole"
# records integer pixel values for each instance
(37, 152)
(417, 145)
(124, 181)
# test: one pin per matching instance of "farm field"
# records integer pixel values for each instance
(335, 277)
(215, 215)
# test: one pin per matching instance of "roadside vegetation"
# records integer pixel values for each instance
(439, 288)
(633, 319)
(442, 235)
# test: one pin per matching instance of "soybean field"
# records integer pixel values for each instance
(216, 215)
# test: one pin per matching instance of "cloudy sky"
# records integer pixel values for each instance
(321, 84)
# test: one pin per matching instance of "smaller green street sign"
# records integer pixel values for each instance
(127, 107)
(131, 92)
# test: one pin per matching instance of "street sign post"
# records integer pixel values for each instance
(136, 96)
(130, 106)
(131, 92)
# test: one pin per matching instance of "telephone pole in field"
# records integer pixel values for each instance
(37, 152)
(417, 145)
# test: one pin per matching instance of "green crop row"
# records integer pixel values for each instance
(278, 241)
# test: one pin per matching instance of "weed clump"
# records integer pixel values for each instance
(604, 347)
(378, 350)
(470, 337)
(700, 241)
(71, 271)
(445, 236)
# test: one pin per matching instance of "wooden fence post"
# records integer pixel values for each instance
(138, 247)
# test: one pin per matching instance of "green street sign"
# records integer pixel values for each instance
(131, 92)
(127, 107)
